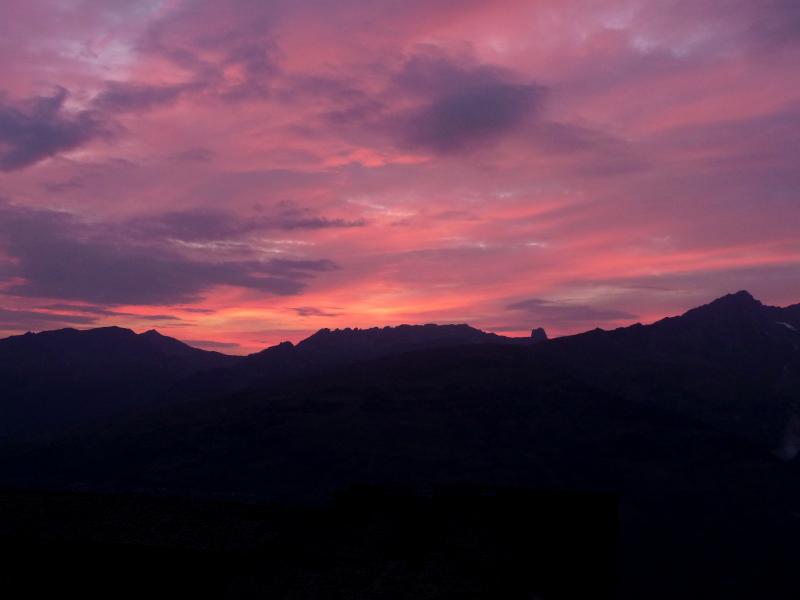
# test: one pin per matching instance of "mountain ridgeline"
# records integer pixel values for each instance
(54, 380)
(692, 422)
(66, 378)
(733, 363)
(328, 349)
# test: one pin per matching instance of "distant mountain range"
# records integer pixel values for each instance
(692, 421)
(328, 349)
(733, 362)
(65, 378)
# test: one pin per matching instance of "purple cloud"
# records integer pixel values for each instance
(40, 127)
(311, 311)
(58, 256)
(471, 115)
(212, 224)
(34, 320)
(547, 312)
(131, 97)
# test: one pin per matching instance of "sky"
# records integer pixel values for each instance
(240, 173)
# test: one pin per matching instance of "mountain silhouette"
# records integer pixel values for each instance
(690, 421)
(57, 379)
(734, 363)
(327, 349)
(345, 346)
(68, 377)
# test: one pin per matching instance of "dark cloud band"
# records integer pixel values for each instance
(57, 256)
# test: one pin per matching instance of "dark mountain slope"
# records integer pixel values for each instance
(700, 500)
(482, 414)
(733, 363)
(328, 349)
(66, 349)
(58, 379)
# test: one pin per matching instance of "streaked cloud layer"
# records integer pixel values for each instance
(246, 172)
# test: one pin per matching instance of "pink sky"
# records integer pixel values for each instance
(236, 174)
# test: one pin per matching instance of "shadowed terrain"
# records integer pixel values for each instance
(687, 423)
(369, 543)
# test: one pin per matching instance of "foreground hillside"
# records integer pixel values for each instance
(371, 544)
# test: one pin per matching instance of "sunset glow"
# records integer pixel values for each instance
(241, 173)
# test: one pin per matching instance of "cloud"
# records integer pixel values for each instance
(538, 146)
(209, 224)
(105, 312)
(45, 319)
(779, 22)
(310, 311)
(57, 187)
(83, 308)
(228, 48)
(151, 317)
(739, 25)
(289, 223)
(57, 256)
(463, 104)
(434, 101)
(35, 320)
(191, 225)
(119, 97)
(471, 115)
(779, 281)
(213, 345)
(298, 266)
(103, 273)
(40, 127)
(547, 312)
(347, 102)
(202, 155)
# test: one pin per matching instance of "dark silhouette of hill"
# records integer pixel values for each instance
(370, 544)
(733, 363)
(58, 379)
(64, 378)
(679, 419)
(328, 349)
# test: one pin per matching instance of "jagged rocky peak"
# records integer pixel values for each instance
(400, 331)
(538, 334)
